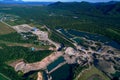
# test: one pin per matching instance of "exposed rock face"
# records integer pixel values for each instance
(40, 77)
(70, 51)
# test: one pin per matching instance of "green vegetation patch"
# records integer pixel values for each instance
(57, 38)
(2, 77)
(91, 72)
(16, 22)
(113, 31)
(114, 34)
(15, 37)
(9, 72)
(77, 69)
(12, 37)
(68, 16)
(12, 48)
(18, 52)
(4, 29)
(11, 53)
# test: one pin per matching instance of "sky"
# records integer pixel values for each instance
(72, 0)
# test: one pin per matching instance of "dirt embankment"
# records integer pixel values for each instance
(26, 67)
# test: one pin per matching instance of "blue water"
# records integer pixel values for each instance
(63, 73)
(94, 37)
(55, 63)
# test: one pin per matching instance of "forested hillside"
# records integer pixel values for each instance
(101, 18)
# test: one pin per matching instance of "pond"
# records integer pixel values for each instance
(95, 37)
(55, 63)
(63, 73)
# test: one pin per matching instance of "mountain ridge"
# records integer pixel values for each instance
(108, 8)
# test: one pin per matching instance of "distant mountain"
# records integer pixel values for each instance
(11, 1)
(20, 2)
(109, 8)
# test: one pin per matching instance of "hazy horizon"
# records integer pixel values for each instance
(71, 0)
(62, 0)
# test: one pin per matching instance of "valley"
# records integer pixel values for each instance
(57, 42)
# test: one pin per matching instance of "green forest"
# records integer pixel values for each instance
(90, 17)
(95, 18)
(15, 53)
